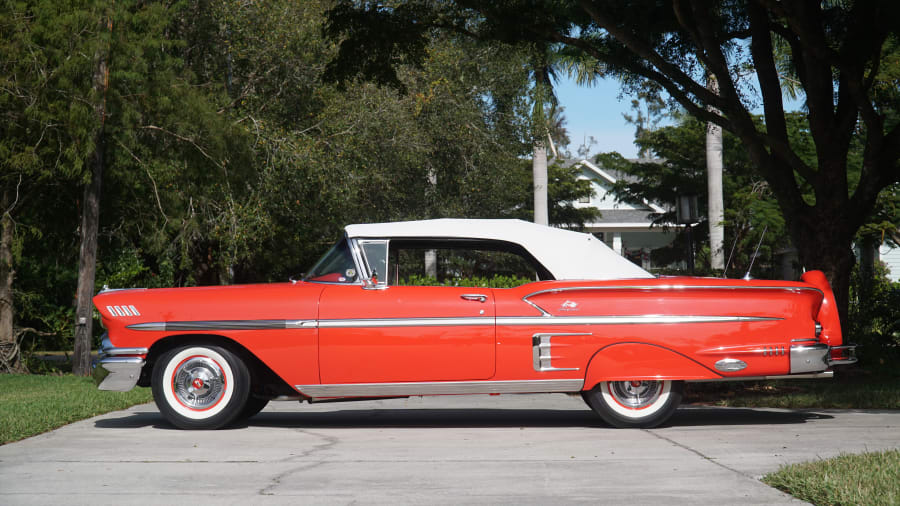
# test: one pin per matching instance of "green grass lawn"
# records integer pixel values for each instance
(868, 478)
(32, 404)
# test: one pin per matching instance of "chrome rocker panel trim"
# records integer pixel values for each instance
(118, 369)
(813, 375)
(441, 388)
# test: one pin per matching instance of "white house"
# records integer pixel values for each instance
(891, 258)
(623, 226)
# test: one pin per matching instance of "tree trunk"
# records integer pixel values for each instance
(833, 256)
(539, 170)
(868, 253)
(90, 224)
(10, 360)
(87, 266)
(716, 206)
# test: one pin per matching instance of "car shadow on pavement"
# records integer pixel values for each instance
(475, 418)
(705, 416)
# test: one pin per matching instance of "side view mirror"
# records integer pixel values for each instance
(371, 283)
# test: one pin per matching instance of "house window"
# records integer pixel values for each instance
(585, 200)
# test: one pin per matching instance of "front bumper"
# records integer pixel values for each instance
(118, 369)
(819, 356)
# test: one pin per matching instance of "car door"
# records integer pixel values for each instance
(388, 334)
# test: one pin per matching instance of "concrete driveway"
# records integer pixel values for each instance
(510, 449)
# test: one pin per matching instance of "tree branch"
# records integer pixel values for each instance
(767, 75)
(152, 181)
(676, 92)
(188, 140)
(640, 48)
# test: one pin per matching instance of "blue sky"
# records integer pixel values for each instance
(597, 111)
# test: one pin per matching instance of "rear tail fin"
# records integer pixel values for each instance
(828, 313)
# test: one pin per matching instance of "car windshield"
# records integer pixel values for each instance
(336, 266)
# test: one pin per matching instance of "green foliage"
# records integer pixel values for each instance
(874, 319)
(825, 185)
(479, 281)
(564, 189)
(881, 390)
(230, 157)
(679, 168)
(32, 404)
(884, 224)
(867, 478)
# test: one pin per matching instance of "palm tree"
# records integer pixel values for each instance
(716, 206)
(543, 72)
(546, 63)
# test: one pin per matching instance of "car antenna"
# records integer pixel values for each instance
(753, 259)
(730, 255)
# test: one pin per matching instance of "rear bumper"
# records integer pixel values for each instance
(819, 356)
(118, 369)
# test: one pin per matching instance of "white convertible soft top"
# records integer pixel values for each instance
(566, 254)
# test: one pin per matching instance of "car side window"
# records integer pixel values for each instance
(376, 253)
(459, 263)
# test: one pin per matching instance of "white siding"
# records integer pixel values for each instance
(891, 257)
(602, 197)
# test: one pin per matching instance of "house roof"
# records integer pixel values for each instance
(612, 176)
(566, 254)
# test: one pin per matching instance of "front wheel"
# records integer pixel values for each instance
(200, 386)
(636, 403)
(254, 405)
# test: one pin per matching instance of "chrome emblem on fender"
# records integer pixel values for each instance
(569, 305)
(731, 365)
(123, 310)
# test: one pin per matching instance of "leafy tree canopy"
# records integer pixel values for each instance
(842, 55)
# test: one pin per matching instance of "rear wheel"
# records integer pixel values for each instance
(637, 403)
(200, 386)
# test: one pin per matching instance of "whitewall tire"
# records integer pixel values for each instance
(200, 386)
(638, 403)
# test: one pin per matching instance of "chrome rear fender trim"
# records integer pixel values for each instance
(626, 319)
(814, 375)
(649, 288)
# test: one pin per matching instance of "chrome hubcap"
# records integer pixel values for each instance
(635, 394)
(199, 382)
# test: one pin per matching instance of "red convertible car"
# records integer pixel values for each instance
(405, 309)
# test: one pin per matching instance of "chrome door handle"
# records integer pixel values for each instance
(474, 297)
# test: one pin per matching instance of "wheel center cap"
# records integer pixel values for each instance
(197, 383)
(635, 384)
